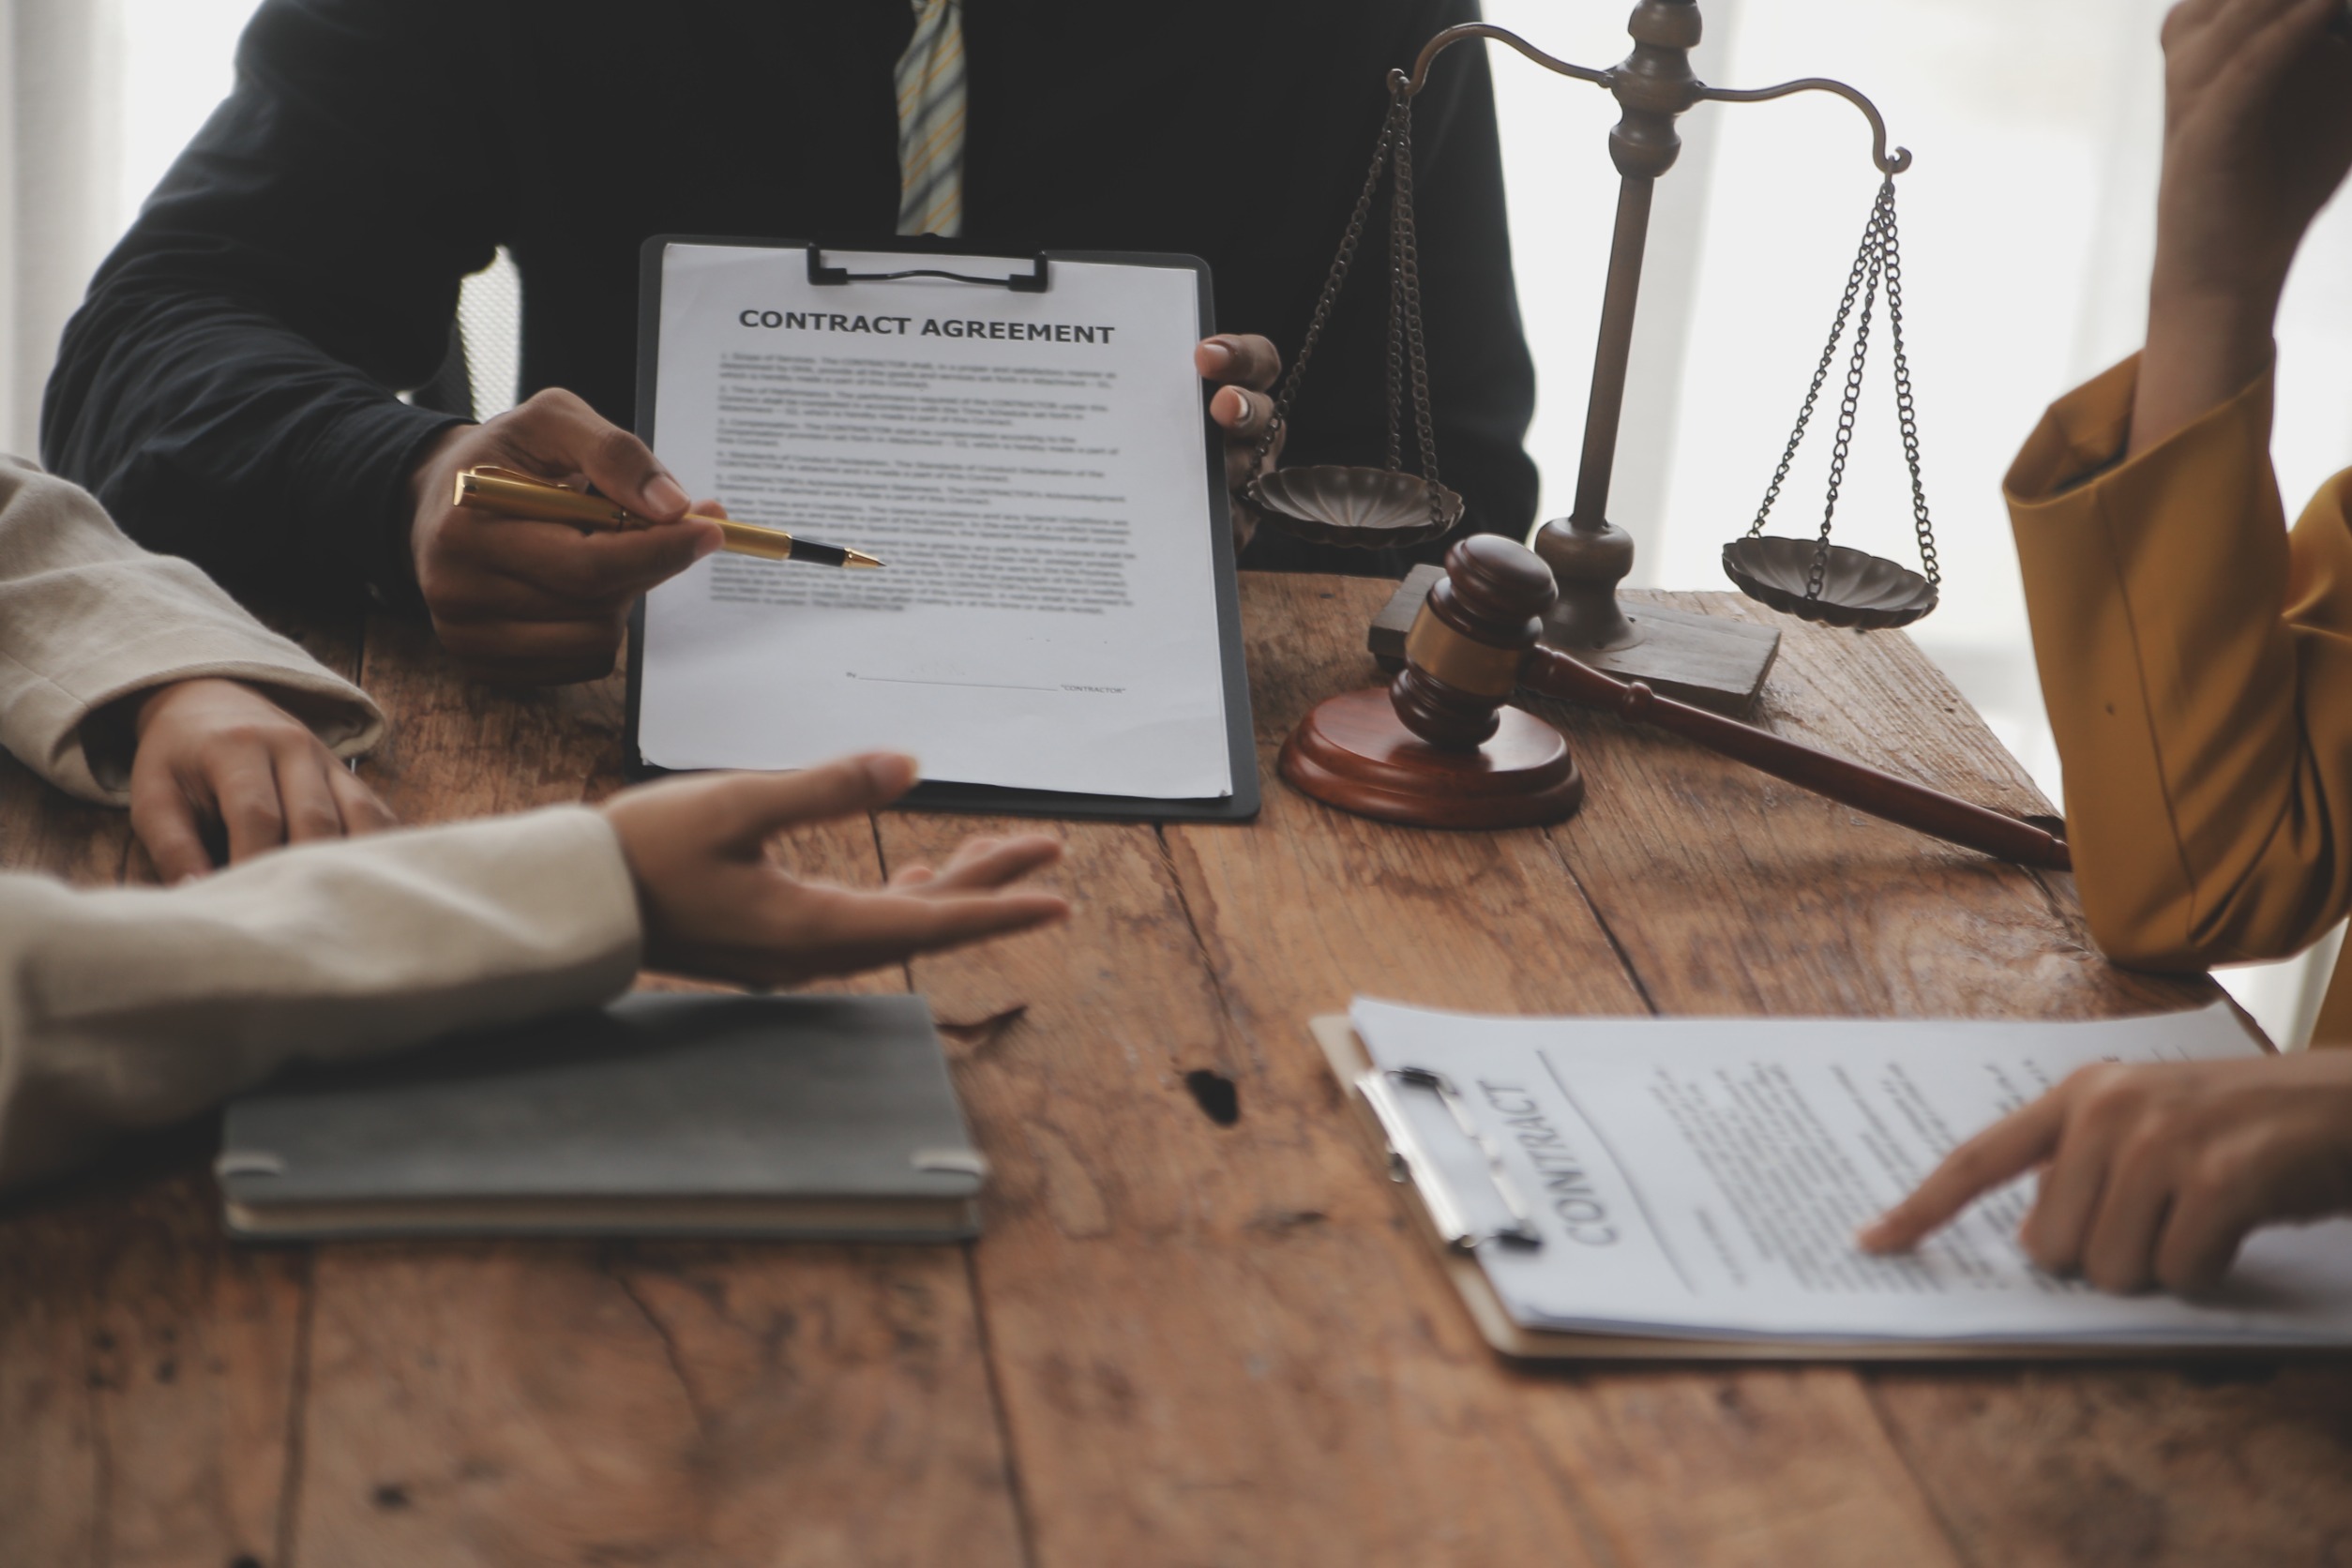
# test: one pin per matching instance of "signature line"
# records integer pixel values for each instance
(990, 685)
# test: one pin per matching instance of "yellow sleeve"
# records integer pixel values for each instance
(2196, 660)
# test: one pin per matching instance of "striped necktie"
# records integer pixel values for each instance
(930, 81)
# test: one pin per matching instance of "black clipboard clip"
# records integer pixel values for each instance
(1033, 282)
(1409, 1162)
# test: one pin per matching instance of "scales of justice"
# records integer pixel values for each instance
(1442, 746)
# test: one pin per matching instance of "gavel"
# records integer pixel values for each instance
(1441, 747)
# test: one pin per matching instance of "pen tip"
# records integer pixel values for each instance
(858, 558)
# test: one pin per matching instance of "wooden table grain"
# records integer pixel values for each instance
(1186, 1338)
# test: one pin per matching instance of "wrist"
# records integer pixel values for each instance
(2240, 311)
(625, 854)
(2205, 345)
(2214, 260)
(425, 479)
(2214, 343)
(630, 841)
(139, 708)
(426, 490)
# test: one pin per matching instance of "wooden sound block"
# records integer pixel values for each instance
(1354, 753)
(1701, 660)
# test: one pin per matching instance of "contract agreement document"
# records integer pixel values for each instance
(1032, 466)
(1702, 1179)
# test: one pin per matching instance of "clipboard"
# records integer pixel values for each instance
(934, 795)
(1458, 1220)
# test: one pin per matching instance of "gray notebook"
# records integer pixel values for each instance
(660, 1115)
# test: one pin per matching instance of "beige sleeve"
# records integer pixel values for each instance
(2196, 661)
(87, 618)
(123, 1008)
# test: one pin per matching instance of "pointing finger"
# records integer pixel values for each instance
(2003, 1151)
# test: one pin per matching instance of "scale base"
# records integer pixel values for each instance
(1354, 753)
(1700, 660)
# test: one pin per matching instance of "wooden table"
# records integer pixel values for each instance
(1183, 1341)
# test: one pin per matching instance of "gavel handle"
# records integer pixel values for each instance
(1865, 789)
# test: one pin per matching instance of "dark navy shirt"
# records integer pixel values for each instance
(228, 388)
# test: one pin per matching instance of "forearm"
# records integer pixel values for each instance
(130, 1009)
(2206, 342)
(88, 619)
(228, 388)
(215, 430)
(2257, 137)
(2192, 663)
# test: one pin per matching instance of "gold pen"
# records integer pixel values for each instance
(522, 495)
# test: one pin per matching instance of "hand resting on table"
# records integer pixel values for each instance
(218, 764)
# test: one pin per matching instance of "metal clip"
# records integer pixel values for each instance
(247, 1162)
(491, 471)
(1411, 1161)
(950, 1162)
(1031, 282)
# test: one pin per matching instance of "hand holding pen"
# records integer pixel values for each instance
(504, 492)
(534, 603)
(525, 601)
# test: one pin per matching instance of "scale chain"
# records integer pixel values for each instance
(1850, 405)
(1407, 260)
(1907, 411)
(1820, 378)
(1879, 262)
(1395, 336)
(1407, 350)
(1331, 283)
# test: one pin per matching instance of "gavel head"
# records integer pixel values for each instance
(1462, 656)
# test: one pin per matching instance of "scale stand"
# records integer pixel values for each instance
(1715, 663)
